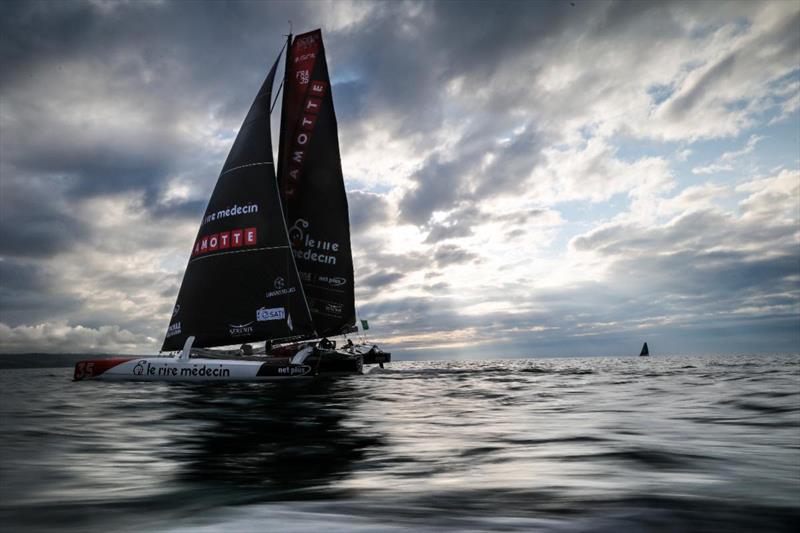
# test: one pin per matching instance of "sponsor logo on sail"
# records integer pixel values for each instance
(297, 231)
(176, 310)
(232, 211)
(239, 330)
(334, 308)
(280, 288)
(174, 329)
(306, 41)
(308, 114)
(235, 238)
(275, 313)
(306, 247)
(333, 281)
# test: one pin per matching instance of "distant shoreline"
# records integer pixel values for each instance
(65, 360)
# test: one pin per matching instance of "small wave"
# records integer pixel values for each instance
(759, 407)
(560, 371)
(578, 439)
(536, 370)
(651, 458)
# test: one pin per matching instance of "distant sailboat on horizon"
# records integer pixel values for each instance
(645, 352)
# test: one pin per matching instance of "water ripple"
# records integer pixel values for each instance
(604, 444)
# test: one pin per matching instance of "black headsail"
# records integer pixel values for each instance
(310, 176)
(241, 283)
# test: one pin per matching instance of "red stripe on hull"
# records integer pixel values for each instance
(93, 368)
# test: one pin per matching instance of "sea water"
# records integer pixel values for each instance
(559, 444)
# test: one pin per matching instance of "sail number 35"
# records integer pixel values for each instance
(84, 369)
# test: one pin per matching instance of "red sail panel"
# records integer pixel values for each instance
(312, 185)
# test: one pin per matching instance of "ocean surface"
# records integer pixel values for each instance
(559, 444)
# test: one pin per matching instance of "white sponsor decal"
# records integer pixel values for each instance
(275, 313)
(174, 329)
(333, 308)
(176, 310)
(144, 368)
(237, 330)
(334, 281)
(280, 288)
(232, 211)
(307, 248)
(294, 370)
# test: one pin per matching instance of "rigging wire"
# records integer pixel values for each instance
(278, 92)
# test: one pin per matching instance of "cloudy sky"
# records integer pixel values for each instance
(524, 178)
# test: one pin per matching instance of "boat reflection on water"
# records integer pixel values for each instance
(294, 440)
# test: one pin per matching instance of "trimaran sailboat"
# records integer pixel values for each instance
(272, 259)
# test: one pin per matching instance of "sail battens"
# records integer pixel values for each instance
(245, 166)
(248, 250)
(325, 288)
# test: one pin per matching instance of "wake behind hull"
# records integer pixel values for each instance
(204, 370)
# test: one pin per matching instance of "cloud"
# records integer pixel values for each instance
(727, 160)
(63, 338)
(513, 166)
(380, 279)
(448, 254)
(367, 210)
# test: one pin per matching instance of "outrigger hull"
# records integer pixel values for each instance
(204, 370)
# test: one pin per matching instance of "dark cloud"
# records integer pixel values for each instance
(513, 163)
(27, 294)
(696, 230)
(441, 232)
(189, 209)
(366, 210)
(713, 277)
(35, 222)
(381, 279)
(445, 184)
(101, 97)
(438, 186)
(449, 254)
(686, 102)
(437, 287)
(457, 224)
(776, 47)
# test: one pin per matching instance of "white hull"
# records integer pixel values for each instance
(198, 370)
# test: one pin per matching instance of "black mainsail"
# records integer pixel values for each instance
(312, 185)
(644, 351)
(241, 283)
